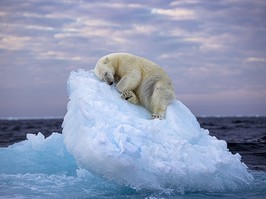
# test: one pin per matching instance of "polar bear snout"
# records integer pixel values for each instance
(108, 78)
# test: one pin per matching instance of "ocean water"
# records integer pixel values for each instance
(38, 165)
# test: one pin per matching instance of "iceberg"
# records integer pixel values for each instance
(119, 142)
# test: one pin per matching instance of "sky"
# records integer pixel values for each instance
(214, 51)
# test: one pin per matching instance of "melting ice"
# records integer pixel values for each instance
(118, 141)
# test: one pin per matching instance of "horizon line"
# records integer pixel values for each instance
(62, 117)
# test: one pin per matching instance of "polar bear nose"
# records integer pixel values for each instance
(110, 83)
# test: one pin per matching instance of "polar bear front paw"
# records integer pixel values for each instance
(127, 94)
(130, 96)
(116, 79)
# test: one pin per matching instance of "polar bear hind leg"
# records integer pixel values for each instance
(160, 99)
(159, 112)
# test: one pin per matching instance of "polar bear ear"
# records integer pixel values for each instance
(105, 61)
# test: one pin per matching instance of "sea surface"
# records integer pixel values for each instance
(244, 135)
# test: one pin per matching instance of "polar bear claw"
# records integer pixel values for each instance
(130, 96)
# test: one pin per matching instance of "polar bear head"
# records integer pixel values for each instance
(104, 70)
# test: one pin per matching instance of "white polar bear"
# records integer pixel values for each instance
(139, 80)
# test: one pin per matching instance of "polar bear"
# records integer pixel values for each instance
(139, 80)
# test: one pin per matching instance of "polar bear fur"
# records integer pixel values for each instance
(139, 80)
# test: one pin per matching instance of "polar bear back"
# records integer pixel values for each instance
(133, 62)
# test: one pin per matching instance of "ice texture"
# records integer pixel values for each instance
(119, 141)
(37, 155)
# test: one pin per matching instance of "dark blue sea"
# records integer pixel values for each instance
(38, 170)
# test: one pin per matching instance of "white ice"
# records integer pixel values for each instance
(119, 142)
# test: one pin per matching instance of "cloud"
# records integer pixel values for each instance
(255, 59)
(208, 48)
(58, 55)
(176, 13)
(11, 42)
